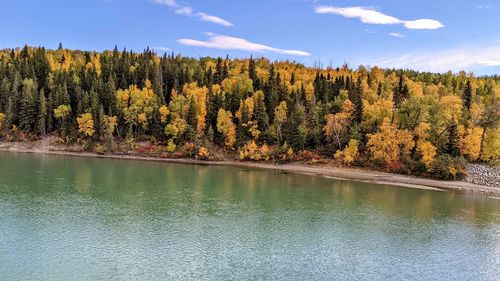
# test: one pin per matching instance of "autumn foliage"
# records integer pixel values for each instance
(253, 109)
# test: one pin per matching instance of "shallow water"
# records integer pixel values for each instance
(69, 218)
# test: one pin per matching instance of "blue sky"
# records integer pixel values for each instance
(434, 35)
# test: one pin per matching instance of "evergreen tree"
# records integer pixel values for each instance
(467, 96)
(296, 131)
(452, 147)
(312, 125)
(358, 102)
(28, 110)
(42, 113)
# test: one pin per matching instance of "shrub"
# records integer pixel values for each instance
(448, 168)
(171, 146)
(349, 154)
(251, 151)
(203, 153)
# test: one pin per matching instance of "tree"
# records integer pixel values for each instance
(401, 92)
(136, 106)
(390, 144)
(280, 117)
(489, 121)
(349, 154)
(28, 111)
(62, 113)
(337, 125)
(226, 127)
(467, 96)
(452, 147)
(86, 124)
(313, 136)
(296, 128)
(428, 152)
(2, 121)
(42, 114)
(358, 103)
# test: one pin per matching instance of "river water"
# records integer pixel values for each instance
(70, 218)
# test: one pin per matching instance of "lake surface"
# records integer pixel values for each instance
(69, 218)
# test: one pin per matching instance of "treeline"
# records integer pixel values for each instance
(398, 120)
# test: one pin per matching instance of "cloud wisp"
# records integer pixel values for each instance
(188, 11)
(216, 41)
(469, 58)
(397, 34)
(163, 49)
(372, 16)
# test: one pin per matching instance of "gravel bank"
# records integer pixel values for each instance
(483, 175)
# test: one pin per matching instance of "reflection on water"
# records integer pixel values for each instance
(77, 218)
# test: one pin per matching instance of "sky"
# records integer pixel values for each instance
(426, 35)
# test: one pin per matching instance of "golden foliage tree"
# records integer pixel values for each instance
(389, 144)
(226, 127)
(349, 154)
(86, 124)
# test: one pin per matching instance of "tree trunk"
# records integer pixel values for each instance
(482, 143)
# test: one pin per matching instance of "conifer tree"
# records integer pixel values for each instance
(42, 113)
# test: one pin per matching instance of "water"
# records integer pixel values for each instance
(68, 218)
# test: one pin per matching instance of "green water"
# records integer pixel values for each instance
(68, 218)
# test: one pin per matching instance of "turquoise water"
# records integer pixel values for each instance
(68, 218)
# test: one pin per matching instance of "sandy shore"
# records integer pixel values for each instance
(354, 174)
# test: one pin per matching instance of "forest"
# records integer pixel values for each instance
(401, 121)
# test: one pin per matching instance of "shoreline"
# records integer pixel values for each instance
(353, 174)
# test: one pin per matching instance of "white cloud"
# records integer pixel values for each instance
(216, 41)
(365, 15)
(188, 11)
(469, 58)
(213, 19)
(372, 16)
(423, 24)
(397, 34)
(163, 49)
(170, 3)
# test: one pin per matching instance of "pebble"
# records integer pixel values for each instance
(483, 175)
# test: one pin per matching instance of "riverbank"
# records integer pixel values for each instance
(355, 174)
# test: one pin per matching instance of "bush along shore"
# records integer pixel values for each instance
(167, 106)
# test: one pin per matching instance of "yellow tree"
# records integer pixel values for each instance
(2, 120)
(136, 106)
(62, 111)
(389, 144)
(425, 148)
(349, 154)
(199, 95)
(226, 127)
(86, 124)
(337, 124)
(164, 112)
(280, 117)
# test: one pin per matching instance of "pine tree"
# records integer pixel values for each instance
(452, 147)
(260, 114)
(467, 96)
(108, 101)
(252, 73)
(296, 128)
(312, 125)
(219, 75)
(42, 113)
(28, 110)
(358, 102)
